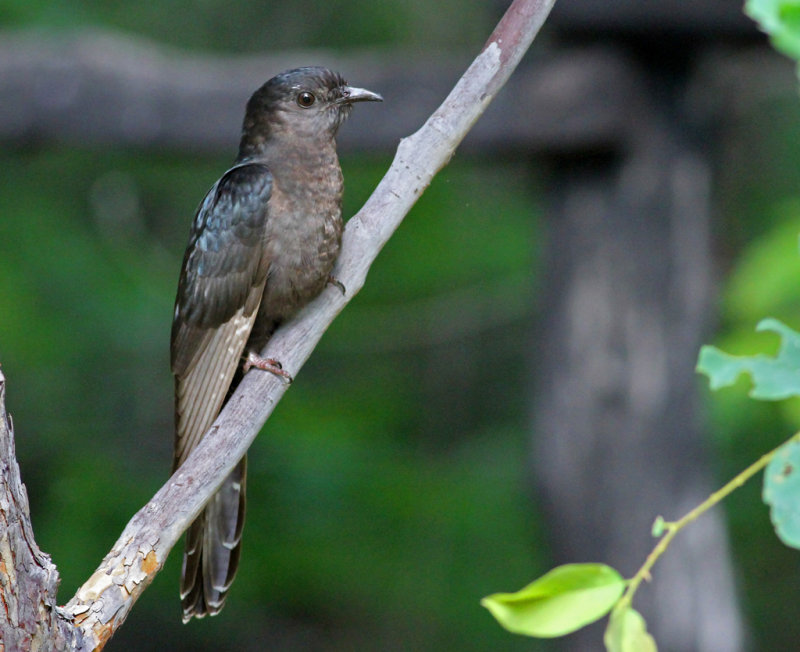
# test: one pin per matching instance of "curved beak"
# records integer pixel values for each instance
(351, 94)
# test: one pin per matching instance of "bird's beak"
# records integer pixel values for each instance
(351, 94)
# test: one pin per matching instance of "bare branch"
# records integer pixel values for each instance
(101, 605)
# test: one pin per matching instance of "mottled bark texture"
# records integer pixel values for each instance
(29, 618)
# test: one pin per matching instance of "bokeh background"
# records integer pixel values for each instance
(394, 486)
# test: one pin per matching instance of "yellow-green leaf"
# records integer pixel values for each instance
(781, 20)
(627, 632)
(561, 601)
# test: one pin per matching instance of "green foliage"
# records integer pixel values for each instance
(781, 20)
(560, 602)
(570, 597)
(763, 281)
(782, 492)
(627, 632)
(774, 378)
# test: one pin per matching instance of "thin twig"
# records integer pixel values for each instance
(673, 527)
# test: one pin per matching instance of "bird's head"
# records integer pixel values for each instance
(304, 103)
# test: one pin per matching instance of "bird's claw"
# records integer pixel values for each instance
(332, 280)
(266, 364)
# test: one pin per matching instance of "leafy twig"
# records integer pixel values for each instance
(669, 529)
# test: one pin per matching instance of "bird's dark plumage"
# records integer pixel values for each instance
(262, 244)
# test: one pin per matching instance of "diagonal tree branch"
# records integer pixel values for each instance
(101, 605)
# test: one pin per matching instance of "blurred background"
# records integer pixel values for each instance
(514, 386)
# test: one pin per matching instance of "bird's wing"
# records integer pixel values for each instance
(219, 291)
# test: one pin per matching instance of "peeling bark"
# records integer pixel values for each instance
(29, 618)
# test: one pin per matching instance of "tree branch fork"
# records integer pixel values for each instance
(28, 578)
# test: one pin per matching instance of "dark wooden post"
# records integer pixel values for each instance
(627, 302)
(617, 438)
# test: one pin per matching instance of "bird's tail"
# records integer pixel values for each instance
(213, 544)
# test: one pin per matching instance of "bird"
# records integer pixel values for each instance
(262, 244)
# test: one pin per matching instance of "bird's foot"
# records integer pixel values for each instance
(266, 364)
(332, 280)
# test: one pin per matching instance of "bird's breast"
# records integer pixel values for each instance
(302, 241)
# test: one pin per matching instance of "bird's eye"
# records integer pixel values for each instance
(306, 99)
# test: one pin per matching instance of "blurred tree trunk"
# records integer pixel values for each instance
(618, 440)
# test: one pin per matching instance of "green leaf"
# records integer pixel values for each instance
(773, 378)
(781, 20)
(561, 601)
(782, 492)
(659, 527)
(627, 632)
